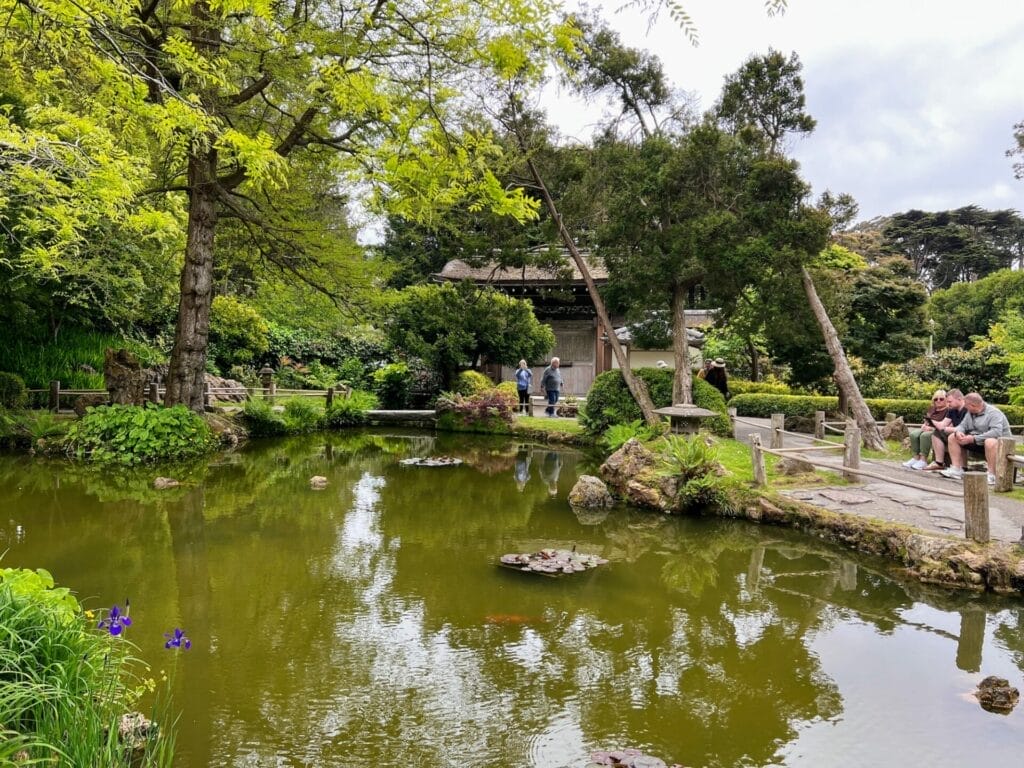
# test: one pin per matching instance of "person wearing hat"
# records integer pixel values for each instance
(716, 377)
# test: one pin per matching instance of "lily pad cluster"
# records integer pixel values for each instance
(628, 758)
(431, 461)
(553, 561)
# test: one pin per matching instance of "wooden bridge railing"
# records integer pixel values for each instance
(975, 486)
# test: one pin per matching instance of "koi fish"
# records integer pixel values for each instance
(512, 618)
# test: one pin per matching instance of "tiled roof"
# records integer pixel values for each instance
(490, 273)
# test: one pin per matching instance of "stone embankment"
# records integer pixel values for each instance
(928, 557)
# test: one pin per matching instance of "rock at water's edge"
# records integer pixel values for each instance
(590, 493)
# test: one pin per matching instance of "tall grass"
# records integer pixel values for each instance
(64, 684)
(62, 359)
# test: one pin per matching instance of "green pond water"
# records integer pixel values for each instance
(367, 624)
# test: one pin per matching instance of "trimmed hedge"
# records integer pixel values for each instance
(610, 402)
(743, 387)
(799, 409)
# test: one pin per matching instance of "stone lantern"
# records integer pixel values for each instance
(266, 375)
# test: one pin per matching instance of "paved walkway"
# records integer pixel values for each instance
(885, 500)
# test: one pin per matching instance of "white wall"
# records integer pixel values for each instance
(648, 358)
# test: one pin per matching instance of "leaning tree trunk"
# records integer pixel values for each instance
(682, 384)
(636, 386)
(843, 375)
(755, 360)
(186, 374)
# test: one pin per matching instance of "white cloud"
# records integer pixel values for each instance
(915, 100)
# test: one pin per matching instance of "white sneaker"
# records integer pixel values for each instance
(909, 463)
(991, 479)
(919, 464)
(953, 473)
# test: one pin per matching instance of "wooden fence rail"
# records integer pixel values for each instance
(975, 487)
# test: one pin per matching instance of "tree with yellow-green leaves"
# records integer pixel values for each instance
(216, 110)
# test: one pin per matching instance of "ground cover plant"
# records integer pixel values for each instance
(68, 680)
(129, 435)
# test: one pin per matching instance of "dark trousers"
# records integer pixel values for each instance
(524, 400)
(552, 402)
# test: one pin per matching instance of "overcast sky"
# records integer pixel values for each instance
(915, 99)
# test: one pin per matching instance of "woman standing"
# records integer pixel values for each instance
(523, 378)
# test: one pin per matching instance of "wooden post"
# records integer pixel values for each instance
(972, 639)
(757, 459)
(206, 394)
(54, 396)
(330, 398)
(272, 391)
(1004, 465)
(731, 412)
(819, 425)
(976, 507)
(154, 392)
(851, 456)
(778, 424)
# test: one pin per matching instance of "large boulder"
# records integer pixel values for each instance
(628, 462)
(590, 493)
(123, 377)
(895, 430)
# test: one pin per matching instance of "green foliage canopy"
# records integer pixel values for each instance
(457, 326)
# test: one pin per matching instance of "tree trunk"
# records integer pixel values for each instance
(682, 389)
(636, 386)
(755, 361)
(187, 369)
(843, 375)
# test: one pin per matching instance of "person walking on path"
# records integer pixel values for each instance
(524, 377)
(955, 413)
(921, 437)
(979, 432)
(716, 377)
(551, 383)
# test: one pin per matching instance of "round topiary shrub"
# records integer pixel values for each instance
(470, 383)
(610, 402)
(12, 390)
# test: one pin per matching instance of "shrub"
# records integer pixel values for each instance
(610, 402)
(693, 461)
(472, 383)
(493, 410)
(393, 384)
(128, 434)
(969, 370)
(509, 388)
(12, 390)
(741, 387)
(893, 380)
(350, 411)
(262, 420)
(238, 334)
(65, 684)
(617, 435)
(301, 415)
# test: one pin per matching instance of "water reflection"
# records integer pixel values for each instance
(367, 624)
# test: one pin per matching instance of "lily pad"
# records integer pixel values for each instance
(431, 461)
(552, 562)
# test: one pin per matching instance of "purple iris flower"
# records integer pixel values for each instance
(177, 639)
(116, 622)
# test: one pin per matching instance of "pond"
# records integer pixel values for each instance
(368, 624)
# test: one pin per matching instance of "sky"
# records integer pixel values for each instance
(915, 99)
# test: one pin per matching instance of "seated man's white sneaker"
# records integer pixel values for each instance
(919, 464)
(991, 479)
(953, 472)
(909, 464)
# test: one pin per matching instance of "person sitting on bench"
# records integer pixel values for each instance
(979, 432)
